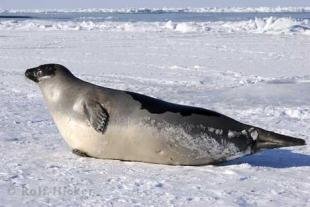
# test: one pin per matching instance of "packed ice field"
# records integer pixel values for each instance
(255, 70)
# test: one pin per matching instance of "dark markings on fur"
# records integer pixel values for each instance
(43, 70)
(97, 115)
(157, 106)
(80, 153)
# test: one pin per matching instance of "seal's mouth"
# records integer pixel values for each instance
(32, 74)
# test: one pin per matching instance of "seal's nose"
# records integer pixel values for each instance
(31, 74)
(27, 73)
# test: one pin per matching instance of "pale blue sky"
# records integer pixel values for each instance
(53, 4)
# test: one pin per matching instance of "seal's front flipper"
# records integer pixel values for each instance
(97, 115)
(269, 140)
(80, 153)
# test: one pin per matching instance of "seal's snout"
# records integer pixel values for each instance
(27, 73)
(31, 74)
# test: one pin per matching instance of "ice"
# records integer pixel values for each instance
(270, 25)
(240, 70)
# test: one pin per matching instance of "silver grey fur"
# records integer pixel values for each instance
(141, 128)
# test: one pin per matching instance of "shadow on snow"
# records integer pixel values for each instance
(276, 158)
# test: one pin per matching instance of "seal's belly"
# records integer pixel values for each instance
(134, 142)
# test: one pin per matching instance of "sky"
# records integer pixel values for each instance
(71, 4)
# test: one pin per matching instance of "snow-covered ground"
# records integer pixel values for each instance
(259, 79)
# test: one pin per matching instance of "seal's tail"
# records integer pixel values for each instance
(269, 140)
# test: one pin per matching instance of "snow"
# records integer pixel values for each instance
(256, 78)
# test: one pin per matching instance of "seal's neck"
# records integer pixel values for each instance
(54, 89)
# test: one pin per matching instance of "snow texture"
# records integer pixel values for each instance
(256, 78)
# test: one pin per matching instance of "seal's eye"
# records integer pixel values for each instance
(40, 73)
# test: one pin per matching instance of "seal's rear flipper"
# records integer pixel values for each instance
(269, 140)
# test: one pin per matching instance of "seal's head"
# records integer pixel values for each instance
(46, 72)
